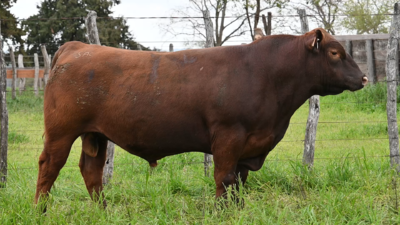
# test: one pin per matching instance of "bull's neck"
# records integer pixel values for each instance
(284, 71)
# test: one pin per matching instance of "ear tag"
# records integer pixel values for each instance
(317, 42)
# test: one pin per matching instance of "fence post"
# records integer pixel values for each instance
(349, 47)
(35, 81)
(14, 76)
(93, 37)
(139, 47)
(267, 26)
(91, 27)
(41, 80)
(46, 64)
(370, 61)
(171, 47)
(269, 23)
(392, 70)
(49, 62)
(209, 44)
(313, 114)
(21, 80)
(4, 118)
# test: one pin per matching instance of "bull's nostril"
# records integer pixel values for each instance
(364, 80)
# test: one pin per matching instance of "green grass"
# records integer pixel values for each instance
(351, 182)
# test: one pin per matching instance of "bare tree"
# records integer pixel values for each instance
(229, 18)
(324, 12)
(255, 5)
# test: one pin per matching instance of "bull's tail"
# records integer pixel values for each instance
(56, 55)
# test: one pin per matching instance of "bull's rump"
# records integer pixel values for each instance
(148, 103)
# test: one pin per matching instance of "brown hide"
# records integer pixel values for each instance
(233, 102)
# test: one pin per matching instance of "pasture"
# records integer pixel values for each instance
(351, 181)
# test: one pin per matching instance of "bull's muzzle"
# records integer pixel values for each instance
(364, 80)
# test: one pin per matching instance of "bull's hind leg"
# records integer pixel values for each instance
(93, 157)
(241, 173)
(52, 159)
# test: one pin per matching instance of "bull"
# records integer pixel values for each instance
(233, 102)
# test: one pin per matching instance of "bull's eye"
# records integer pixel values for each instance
(334, 53)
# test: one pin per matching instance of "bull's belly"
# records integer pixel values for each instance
(153, 141)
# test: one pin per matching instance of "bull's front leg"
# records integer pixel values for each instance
(227, 148)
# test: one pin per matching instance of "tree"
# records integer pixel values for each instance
(9, 22)
(324, 12)
(229, 18)
(256, 5)
(59, 21)
(367, 16)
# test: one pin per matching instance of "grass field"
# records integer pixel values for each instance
(351, 181)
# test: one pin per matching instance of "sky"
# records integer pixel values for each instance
(145, 31)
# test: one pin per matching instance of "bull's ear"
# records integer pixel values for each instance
(314, 40)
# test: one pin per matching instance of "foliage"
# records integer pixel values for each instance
(59, 21)
(368, 16)
(9, 29)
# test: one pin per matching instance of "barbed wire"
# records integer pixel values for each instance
(202, 162)
(182, 17)
(22, 148)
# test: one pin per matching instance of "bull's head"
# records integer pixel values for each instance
(335, 69)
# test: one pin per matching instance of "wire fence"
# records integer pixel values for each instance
(185, 17)
(17, 147)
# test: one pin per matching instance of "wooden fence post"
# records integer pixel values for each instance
(267, 25)
(171, 47)
(22, 81)
(209, 44)
(49, 62)
(46, 64)
(4, 118)
(392, 70)
(35, 81)
(313, 114)
(349, 47)
(41, 80)
(264, 20)
(91, 27)
(93, 37)
(370, 61)
(14, 77)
